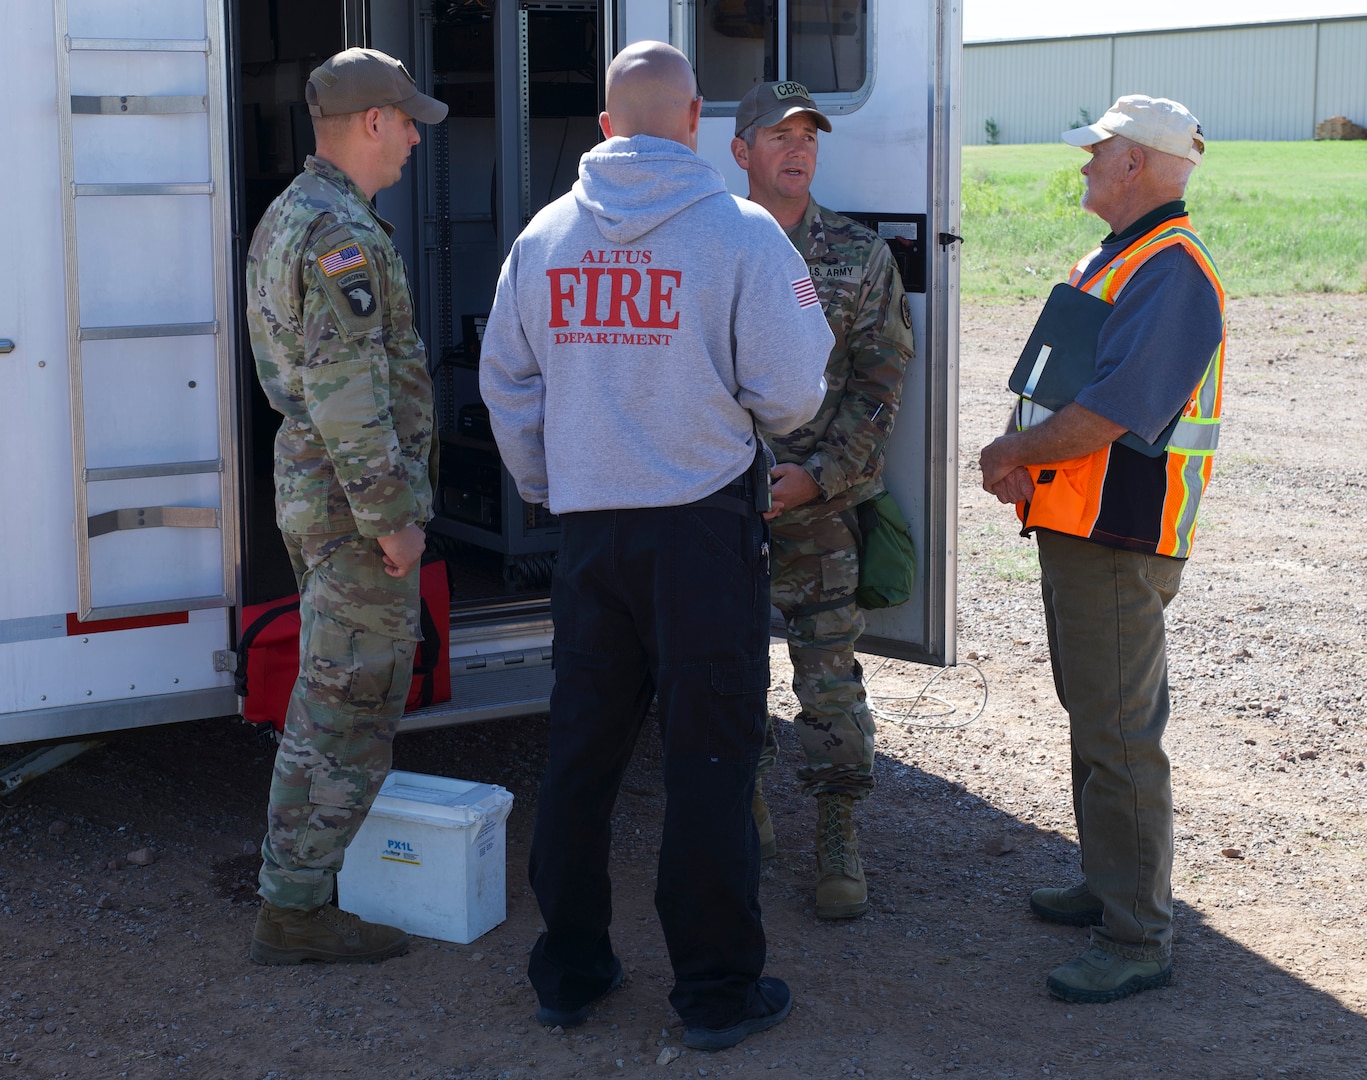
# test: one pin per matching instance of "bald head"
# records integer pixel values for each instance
(651, 91)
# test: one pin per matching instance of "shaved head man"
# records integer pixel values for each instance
(645, 325)
(651, 91)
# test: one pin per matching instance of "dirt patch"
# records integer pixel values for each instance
(110, 969)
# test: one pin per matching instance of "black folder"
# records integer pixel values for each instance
(1059, 358)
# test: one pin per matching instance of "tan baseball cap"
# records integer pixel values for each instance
(358, 79)
(771, 103)
(1157, 123)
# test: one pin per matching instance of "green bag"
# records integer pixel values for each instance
(887, 554)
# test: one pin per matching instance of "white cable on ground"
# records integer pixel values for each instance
(925, 707)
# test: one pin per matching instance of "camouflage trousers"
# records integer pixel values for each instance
(359, 629)
(816, 561)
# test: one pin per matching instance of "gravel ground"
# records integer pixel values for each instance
(126, 877)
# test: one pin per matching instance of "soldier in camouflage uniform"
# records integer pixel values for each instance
(825, 469)
(338, 355)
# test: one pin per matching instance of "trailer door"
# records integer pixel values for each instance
(120, 533)
(886, 72)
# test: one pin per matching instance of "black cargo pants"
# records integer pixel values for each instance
(670, 603)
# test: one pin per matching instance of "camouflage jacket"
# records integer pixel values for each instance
(331, 322)
(842, 446)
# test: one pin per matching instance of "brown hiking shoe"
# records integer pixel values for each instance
(1098, 976)
(326, 934)
(841, 893)
(768, 846)
(1073, 906)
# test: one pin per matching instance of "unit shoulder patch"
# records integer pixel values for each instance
(906, 311)
(346, 276)
(359, 292)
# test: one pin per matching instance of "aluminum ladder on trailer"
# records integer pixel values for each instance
(147, 234)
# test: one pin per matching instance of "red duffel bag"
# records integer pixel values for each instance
(268, 652)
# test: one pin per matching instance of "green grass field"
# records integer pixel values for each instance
(1279, 217)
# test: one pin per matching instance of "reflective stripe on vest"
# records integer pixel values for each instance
(1070, 497)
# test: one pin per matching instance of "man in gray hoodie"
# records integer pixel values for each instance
(645, 324)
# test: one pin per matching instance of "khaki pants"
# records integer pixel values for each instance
(1103, 608)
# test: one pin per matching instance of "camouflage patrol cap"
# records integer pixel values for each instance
(771, 103)
(358, 79)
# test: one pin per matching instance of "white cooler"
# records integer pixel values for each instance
(430, 858)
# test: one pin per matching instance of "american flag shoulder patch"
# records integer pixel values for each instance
(806, 292)
(344, 258)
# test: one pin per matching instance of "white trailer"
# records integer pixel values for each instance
(142, 142)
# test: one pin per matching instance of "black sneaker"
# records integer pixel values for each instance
(572, 1018)
(773, 997)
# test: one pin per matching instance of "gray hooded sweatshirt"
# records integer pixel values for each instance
(644, 323)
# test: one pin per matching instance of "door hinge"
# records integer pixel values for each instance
(225, 660)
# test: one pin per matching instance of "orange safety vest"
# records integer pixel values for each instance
(1118, 496)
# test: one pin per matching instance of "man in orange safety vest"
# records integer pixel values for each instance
(1114, 527)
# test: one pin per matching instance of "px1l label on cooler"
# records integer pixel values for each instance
(404, 851)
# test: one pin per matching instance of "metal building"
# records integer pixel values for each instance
(1260, 81)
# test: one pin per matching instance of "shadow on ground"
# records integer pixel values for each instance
(945, 973)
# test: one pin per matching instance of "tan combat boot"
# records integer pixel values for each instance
(841, 892)
(326, 934)
(768, 846)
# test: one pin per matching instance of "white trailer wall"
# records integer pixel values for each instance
(1266, 81)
